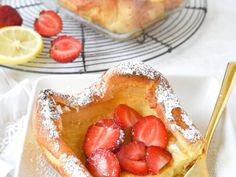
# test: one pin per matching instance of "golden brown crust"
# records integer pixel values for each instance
(60, 121)
(122, 16)
(52, 145)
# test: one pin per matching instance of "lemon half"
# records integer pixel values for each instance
(19, 45)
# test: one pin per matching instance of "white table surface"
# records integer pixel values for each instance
(206, 53)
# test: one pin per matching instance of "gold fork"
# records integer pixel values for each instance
(199, 168)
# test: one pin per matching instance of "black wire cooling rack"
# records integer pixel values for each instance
(101, 52)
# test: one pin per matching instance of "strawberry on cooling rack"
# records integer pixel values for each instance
(9, 16)
(48, 23)
(65, 49)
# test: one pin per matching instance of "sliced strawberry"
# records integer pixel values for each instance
(133, 151)
(102, 137)
(125, 116)
(65, 49)
(157, 158)
(132, 158)
(151, 131)
(137, 167)
(107, 123)
(9, 16)
(103, 163)
(48, 24)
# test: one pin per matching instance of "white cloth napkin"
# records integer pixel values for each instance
(14, 99)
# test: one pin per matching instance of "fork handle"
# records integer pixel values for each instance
(226, 89)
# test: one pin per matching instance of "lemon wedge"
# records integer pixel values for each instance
(19, 45)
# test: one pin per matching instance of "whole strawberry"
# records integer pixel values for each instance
(9, 16)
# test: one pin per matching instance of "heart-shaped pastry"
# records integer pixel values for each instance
(126, 98)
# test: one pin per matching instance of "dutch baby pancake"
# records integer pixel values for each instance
(122, 16)
(128, 123)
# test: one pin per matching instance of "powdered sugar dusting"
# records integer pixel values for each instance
(49, 124)
(135, 68)
(73, 167)
(48, 106)
(56, 146)
(42, 167)
(49, 111)
(101, 165)
(88, 95)
(122, 137)
(166, 97)
(99, 160)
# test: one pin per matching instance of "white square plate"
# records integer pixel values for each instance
(196, 93)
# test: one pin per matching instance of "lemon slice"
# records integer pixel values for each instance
(19, 45)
